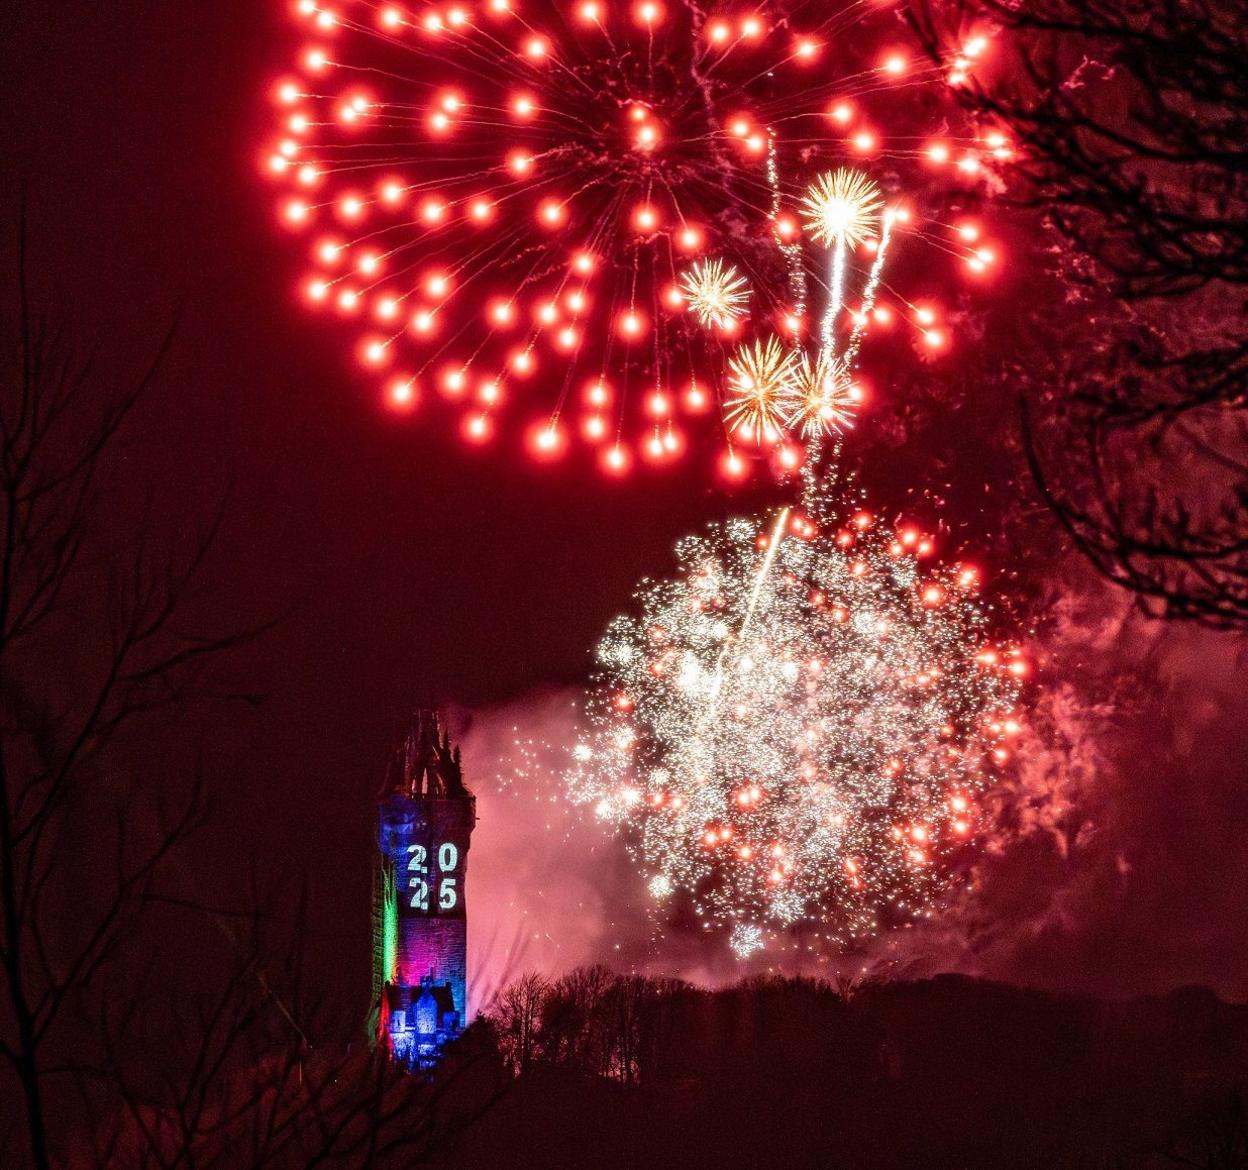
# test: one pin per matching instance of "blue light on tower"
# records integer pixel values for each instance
(425, 818)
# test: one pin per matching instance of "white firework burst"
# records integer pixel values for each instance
(760, 390)
(716, 292)
(797, 727)
(842, 207)
(824, 399)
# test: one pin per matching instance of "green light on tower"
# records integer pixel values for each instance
(389, 925)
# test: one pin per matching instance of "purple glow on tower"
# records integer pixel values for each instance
(420, 925)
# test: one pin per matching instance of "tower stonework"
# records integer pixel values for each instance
(425, 818)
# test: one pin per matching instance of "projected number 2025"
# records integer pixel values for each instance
(418, 876)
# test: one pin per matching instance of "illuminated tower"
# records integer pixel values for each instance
(425, 818)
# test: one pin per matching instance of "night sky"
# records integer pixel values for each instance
(413, 566)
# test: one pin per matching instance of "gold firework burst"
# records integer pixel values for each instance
(841, 206)
(760, 389)
(823, 396)
(717, 293)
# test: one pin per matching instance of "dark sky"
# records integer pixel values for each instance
(415, 567)
(413, 563)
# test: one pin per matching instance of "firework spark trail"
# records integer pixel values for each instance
(773, 547)
(868, 293)
(789, 249)
(841, 208)
(836, 296)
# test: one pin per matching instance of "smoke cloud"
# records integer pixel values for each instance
(1116, 864)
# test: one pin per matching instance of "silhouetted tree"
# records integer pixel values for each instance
(114, 1052)
(97, 635)
(950, 1073)
(235, 1073)
(517, 1014)
(1220, 1140)
(574, 1025)
(1129, 119)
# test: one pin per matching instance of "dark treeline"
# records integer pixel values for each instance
(624, 1071)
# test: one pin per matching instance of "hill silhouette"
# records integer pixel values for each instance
(608, 1071)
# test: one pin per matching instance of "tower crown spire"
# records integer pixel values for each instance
(425, 763)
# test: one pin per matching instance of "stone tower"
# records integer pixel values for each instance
(425, 818)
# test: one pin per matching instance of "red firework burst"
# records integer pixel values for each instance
(507, 201)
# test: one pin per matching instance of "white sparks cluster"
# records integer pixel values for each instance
(745, 940)
(842, 206)
(797, 727)
(717, 294)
